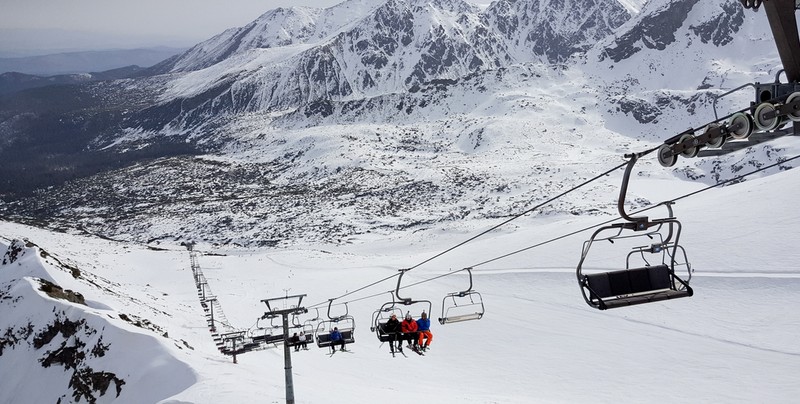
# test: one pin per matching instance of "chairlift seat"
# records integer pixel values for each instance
(385, 336)
(628, 287)
(250, 346)
(460, 317)
(268, 339)
(309, 340)
(324, 340)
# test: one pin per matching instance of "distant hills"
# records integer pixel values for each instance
(84, 62)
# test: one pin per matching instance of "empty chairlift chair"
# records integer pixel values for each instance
(270, 335)
(649, 274)
(462, 306)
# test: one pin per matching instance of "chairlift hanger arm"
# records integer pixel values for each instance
(469, 289)
(346, 311)
(403, 300)
(640, 222)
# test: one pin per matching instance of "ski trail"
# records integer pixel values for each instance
(723, 340)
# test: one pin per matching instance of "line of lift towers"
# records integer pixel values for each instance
(651, 270)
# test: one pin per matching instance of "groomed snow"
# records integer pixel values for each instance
(734, 341)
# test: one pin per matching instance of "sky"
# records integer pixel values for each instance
(43, 26)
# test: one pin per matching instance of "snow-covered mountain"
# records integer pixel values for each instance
(554, 29)
(316, 151)
(276, 28)
(396, 47)
(406, 113)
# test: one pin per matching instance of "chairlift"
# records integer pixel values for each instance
(462, 306)
(407, 303)
(309, 327)
(656, 280)
(381, 316)
(272, 334)
(345, 323)
(396, 306)
(296, 327)
(235, 343)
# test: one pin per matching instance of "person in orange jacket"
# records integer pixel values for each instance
(409, 329)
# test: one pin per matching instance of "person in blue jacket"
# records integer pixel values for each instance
(424, 329)
(336, 339)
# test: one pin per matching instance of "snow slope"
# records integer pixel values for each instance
(734, 341)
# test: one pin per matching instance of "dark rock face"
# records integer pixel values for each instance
(64, 342)
(555, 29)
(14, 252)
(720, 29)
(641, 110)
(655, 31)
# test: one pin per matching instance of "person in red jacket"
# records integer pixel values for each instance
(409, 329)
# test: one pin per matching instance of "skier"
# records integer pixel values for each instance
(336, 338)
(424, 327)
(392, 327)
(409, 329)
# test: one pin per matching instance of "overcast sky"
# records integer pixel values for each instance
(28, 26)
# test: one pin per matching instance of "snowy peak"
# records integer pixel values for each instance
(554, 29)
(396, 47)
(661, 20)
(406, 43)
(275, 28)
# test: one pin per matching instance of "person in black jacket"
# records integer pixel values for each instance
(392, 327)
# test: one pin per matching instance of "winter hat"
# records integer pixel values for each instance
(408, 315)
(423, 314)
